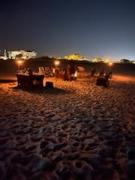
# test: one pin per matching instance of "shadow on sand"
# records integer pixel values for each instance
(44, 90)
(7, 80)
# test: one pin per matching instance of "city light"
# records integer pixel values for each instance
(106, 61)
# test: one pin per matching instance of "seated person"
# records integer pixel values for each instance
(30, 73)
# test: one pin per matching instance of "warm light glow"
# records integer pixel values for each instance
(123, 78)
(110, 64)
(106, 61)
(19, 62)
(57, 63)
(75, 75)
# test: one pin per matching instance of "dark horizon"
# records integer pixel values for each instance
(88, 27)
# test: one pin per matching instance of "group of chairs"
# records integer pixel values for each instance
(68, 73)
(27, 79)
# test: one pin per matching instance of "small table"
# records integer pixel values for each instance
(30, 81)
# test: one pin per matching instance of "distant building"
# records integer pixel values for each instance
(22, 54)
(4, 57)
(97, 59)
(75, 56)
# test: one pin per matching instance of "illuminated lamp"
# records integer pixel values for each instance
(56, 63)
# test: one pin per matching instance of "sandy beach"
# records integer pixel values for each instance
(75, 131)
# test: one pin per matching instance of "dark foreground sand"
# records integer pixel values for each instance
(78, 131)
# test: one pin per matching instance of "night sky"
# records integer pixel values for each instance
(61, 27)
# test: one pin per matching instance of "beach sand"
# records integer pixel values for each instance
(75, 131)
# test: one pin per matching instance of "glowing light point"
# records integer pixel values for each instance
(75, 75)
(56, 63)
(19, 62)
(110, 64)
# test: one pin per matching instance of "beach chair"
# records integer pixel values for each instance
(103, 81)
